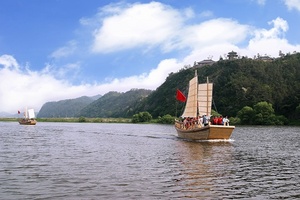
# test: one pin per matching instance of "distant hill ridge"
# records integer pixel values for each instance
(112, 104)
(64, 108)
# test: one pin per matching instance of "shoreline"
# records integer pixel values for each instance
(75, 120)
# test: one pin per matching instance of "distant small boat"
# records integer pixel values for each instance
(29, 117)
(198, 105)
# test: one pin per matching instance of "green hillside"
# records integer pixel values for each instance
(64, 108)
(115, 104)
(237, 83)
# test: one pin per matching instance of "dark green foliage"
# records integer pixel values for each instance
(166, 119)
(245, 82)
(298, 109)
(261, 114)
(246, 115)
(81, 119)
(141, 117)
(64, 108)
(234, 121)
(264, 113)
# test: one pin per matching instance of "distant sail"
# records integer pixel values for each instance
(31, 114)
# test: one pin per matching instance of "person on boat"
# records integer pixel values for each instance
(194, 122)
(200, 121)
(205, 120)
(190, 122)
(208, 119)
(226, 121)
(185, 123)
(220, 120)
(215, 120)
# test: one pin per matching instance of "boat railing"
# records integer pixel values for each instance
(192, 125)
(187, 126)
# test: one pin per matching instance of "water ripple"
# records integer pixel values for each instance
(127, 161)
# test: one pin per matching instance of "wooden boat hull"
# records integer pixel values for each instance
(27, 122)
(210, 132)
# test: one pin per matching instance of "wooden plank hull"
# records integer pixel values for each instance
(27, 122)
(210, 132)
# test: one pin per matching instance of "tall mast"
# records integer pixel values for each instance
(207, 95)
(197, 98)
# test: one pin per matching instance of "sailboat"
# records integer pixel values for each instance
(195, 123)
(29, 117)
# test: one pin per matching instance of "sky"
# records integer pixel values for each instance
(63, 49)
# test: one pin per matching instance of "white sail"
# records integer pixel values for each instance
(191, 104)
(31, 114)
(26, 113)
(205, 91)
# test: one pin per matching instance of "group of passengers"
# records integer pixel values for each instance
(220, 120)
(200, 121)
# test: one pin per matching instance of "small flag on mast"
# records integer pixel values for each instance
(180, 96)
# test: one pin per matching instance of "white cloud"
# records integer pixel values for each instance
(149, 80)
(292, 4)
(69, 70)
(8, 61)
(272, 40)
(280, 27)
(157, 25)
(136, 25)
(20, 89)
(256, 41)
(261, 2)
(65, 51)
(216, 31)
(207, 13)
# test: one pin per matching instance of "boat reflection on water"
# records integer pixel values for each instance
(204, 164)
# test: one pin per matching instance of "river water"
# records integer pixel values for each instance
(146, 161)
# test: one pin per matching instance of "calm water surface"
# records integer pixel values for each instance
(132, 161)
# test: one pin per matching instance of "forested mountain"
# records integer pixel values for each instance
(237, 83)
(115, 104)
(65, 108)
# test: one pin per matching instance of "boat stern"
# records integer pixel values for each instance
(220, 132)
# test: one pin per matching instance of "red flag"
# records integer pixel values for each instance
(19, 112)
(180, 96)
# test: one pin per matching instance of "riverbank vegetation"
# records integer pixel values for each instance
(76, 120)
